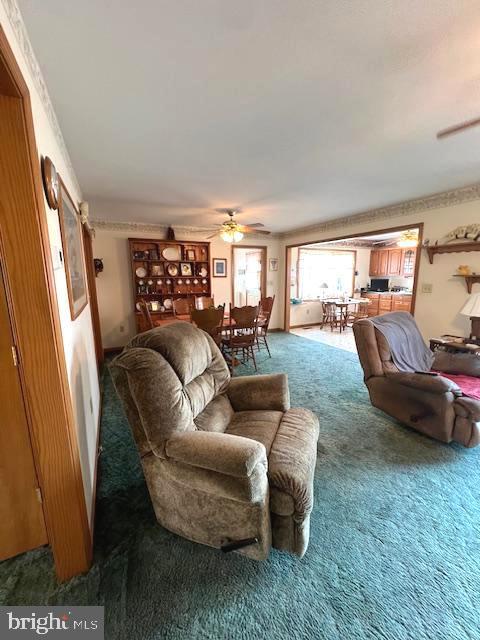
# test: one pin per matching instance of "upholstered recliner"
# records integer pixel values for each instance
(431, 404)
(226, 461)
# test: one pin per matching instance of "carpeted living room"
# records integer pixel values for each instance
(240, 320)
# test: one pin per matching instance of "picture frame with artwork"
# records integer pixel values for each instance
(157, 270)
(273, 264)
(190, 255)
(219, 267)
(186, 269)
(74, 259)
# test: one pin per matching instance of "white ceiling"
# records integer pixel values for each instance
(299, 110)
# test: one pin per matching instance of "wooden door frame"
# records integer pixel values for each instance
(34, 312)
(363, 234)
(87, 234)
(263, 283)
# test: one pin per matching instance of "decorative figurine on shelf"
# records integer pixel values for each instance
(464, 270)
(98, 266)
(170, 233)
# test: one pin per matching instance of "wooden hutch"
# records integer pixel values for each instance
(163, 270)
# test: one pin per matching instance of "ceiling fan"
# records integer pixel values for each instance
(232, 231)
(457, 128)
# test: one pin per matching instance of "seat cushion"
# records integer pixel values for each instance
(291, 464)
(261, 426)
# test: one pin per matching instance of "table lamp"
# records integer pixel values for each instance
(472, 309)
(323, 286)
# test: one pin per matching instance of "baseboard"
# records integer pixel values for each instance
(309, 324)
(276, 330)
(110, 350)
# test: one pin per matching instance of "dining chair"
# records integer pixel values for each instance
(204, 302)
(182, 308)
(146, 314)
(359, 312)
(331, 315)
(210, 320)
(264, 314)
(241, 335)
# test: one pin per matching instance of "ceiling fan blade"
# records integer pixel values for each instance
(255, 225)
(213, 235)
(457, 128)
(245, 229)
(228, 210)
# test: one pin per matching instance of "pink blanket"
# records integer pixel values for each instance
(469, 385)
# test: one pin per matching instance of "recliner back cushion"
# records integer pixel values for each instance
(166, 377)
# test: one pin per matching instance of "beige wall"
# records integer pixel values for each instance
(77, 336)
(114, 284)
(437, 312)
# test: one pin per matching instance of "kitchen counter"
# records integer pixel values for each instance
(386, 301)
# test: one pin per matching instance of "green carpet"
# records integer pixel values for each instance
(394, 551)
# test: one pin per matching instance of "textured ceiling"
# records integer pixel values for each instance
(299, 111)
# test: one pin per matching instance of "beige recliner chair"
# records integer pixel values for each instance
(227, 462)
(433, 405)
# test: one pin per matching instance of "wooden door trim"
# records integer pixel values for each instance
(263, 283)
(39, 339)
(363, 234)
(87, 235)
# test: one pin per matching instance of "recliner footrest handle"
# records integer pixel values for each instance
(238, 544)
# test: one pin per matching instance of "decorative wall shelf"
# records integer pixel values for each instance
(451, 248)
(469, 280)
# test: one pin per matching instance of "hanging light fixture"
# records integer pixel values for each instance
(231, 232)
(408, 239)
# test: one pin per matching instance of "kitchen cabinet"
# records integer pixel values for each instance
(381, 303)
(392, 262)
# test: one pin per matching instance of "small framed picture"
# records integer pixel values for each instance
(157, 270)
(273, 264)
(219, 267)
(186, 268)
(190, 255)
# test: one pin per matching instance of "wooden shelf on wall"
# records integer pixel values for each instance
(469, 280)
(451, 248)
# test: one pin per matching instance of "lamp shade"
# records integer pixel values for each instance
(324, 285)
(472, 306)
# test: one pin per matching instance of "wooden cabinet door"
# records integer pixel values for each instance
(374, 260)
(383, 262)
(394, 262)
(21, 514)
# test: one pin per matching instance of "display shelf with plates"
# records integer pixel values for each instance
(163, 270)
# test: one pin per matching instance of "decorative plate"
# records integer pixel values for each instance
(141, 272)
(172, 270)
(204, 282)
(187, 281)
(195, 281)
(171, 253)
(138, 306)
(167, 303)
(202, 272)
(179, 281)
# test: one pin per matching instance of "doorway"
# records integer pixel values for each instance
(385, 277)
(248, 275)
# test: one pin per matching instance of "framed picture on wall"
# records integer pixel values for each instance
(273, 264)
(72, 241)
(219, 267)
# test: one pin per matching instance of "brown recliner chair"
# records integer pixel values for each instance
(433, 405)
(227, 462)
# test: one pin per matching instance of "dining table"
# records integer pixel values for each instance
(344, 306)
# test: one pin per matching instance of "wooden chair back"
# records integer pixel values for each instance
(204, 302)
(265, 311)
(182, 306)
(146, 313)
(244, 326)
(209, 320)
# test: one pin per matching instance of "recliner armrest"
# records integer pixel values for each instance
(467, 408)
(256, 393)
(430, 383)
(467, 364)
(220, 452)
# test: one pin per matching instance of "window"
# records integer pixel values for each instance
(323, 273)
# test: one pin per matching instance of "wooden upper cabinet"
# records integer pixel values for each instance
(408, 262)
(392, 262)
(395, 262)
(374, 263)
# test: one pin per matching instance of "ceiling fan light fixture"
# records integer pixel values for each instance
(408, 239)
(231, 235)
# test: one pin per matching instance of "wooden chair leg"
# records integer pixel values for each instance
(253, 358)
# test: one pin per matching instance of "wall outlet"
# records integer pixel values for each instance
(427, 287)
